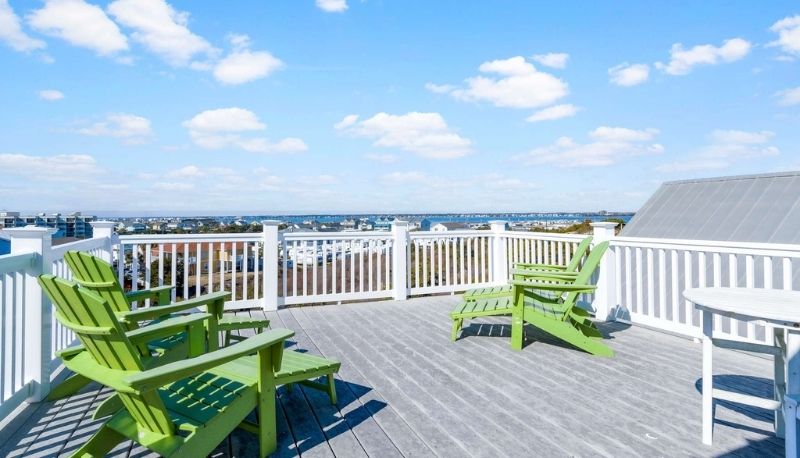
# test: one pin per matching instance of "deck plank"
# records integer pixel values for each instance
(406, 390)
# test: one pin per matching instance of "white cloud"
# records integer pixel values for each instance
(11, 31)
(622, 134)
(788, 30)
(173, 186)
(131, 128)
(61, 167)
(243, 65)
(626, 74)
(81, 24)
(439, 88)
(725, 148)
(384, 158)
(517, 85)
(161, 29)
(332, 6)
(189, 171)
(789, 97)
(682, 61)
(609, 146)
(554, 112)
(553, 59)
(222, 128)
(225, 120)
(51, 95)
(405, 177)
(424, 134)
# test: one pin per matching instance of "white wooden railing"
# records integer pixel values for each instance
(16, 326)
(639, 280)
(651, 275)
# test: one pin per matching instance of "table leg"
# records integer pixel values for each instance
(708, 378)
(780, 379)
(792, 381)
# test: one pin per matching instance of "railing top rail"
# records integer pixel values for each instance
(544, 236)
(753, 248)
(58, 251)
(337, 235)
(189, 238)
(16, 262)
(449, 234)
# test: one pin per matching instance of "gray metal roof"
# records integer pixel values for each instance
(747, 208)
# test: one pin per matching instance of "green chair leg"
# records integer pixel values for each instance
(227, 338)
(457, 322)
(68, 387)
(332, 388)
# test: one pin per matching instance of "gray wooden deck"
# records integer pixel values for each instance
(406, 390)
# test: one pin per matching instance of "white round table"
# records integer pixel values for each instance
(777, 309)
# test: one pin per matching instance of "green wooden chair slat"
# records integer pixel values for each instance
(198, 396)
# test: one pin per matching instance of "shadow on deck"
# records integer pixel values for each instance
(406, 390)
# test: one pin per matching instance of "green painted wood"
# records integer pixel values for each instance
(183, 408)
(545, 301)
(97, 275)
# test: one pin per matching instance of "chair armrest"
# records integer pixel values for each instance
(168, 373)
(545, 275)
(557, 287)
(83, 363)
(151, 313)
(152, 293)
(166, 328)
(526, 265)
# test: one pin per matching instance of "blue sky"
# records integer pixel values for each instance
(388, 106)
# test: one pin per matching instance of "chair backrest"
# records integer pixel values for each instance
(577, 256)
(90, 317)
(587, 270)
(97, 275)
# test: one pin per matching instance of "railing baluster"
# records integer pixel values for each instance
(198, 267)
(749, 281)
(304, 260)
(717, 270)
(210, 271)
(173, 264)
(787, 273)
(185, 271)
(147, 270)
(662, 285)
(160, 264)
(245, 270)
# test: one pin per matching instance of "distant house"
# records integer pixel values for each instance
(366, 225)
(384, 224)
(136, 227)
(444, 227)
(425, 225)
(349, 224)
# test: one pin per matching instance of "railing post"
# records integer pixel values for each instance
(104, 230)
(400, 259)
(604, 298)
(269, 284)
(499, 254)
(38, 311)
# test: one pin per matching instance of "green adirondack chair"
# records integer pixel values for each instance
(98, 275)
(568, 271)
(559, 314)
(551, 296)
(183, 408)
